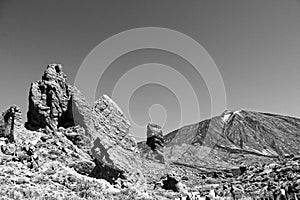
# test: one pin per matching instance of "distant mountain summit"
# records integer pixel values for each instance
(234, 138)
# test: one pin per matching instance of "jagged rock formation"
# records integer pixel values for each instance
(41, 165)
(155, 142)
(10, 120)
(54, 104)
(49, 100)
(155, 137)
(114, 148)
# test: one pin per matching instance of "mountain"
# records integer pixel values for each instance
(230, 140)
(69, 149)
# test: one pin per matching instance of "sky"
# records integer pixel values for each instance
(254, 44)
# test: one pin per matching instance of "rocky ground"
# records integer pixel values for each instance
(266, 181)
(68, 149)
(43, 166)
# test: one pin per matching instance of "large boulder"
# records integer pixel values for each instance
(111, 119)
(115, 149)
(10, 120)
(171, 181)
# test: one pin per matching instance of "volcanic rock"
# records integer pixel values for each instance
(268, 181)
(112, 120)
(155, 137)
(10, 120)
(77, 135)
(54, 103)
(101, 130)
(58, 179)
(79, 112)
(155, 141)
(115, 149)
(172, 182)
(48, 100)
(232, 139)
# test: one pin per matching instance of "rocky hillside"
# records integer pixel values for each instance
(68, 149)
(230, 140)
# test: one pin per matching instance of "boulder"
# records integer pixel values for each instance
(172, 182)
(112, 120)
(115, 149)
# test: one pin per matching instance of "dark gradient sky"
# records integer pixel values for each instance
(254, 43)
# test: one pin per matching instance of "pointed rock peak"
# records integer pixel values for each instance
(49, 100)
(54, 103)
(228, 114)
(54, 72)
(57, 107)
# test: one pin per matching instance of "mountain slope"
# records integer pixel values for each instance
(232, 139)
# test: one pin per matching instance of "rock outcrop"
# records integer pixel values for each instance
(49, 100)
(40, 165)
(155, 140)
(115, 148)
(54, 105)
(112, 120)
(155, 136)
(10, 120)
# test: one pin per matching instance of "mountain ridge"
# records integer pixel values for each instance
(242, 134)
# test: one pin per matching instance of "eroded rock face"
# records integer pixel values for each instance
(10, 120)
(56, 106)
(112, 120)
(114, 148)
(155, 141)
(54, 103)
(155, 138)
(49, 100)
